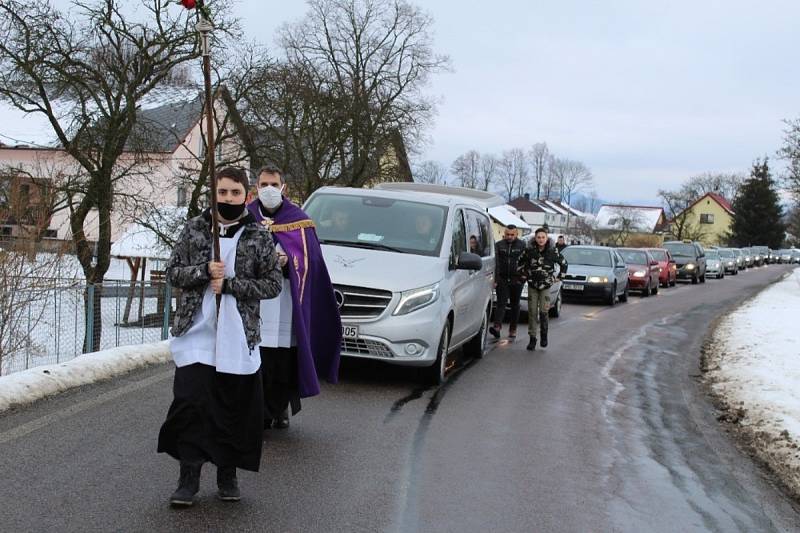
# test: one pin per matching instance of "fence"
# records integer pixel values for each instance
(58, 318)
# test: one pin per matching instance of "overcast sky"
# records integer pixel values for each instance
(645, 93)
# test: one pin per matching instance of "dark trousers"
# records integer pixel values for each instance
(507, 292)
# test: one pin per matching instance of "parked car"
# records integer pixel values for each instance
(795, 255)
(595, 272)
(728, 258)
(714, 264)
(739, 255)
(668, 272)
(785, 256)
(689, 258)
(409, 289)
(761, 255)
(642, 270)
(748, 257)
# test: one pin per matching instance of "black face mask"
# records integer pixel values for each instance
(230, 211)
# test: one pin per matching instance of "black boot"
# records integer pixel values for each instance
(188, 485)
(495, 331)
(543, 325)
(227, 484)
(282, 422)
(531, 344)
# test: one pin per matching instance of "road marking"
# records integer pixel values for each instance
(39, 423)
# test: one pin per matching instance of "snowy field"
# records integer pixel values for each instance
(754, 369)
(54, 324)
(31, 385)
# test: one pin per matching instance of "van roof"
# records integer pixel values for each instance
(485, 198)
(444, 196)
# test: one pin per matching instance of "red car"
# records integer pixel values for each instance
(642, 270)
(669, 270)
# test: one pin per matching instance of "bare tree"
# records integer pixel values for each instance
(86, 75)
(467, 168)
(539, 156)
(430, 172)
(790, 152)
(489, 170)
(571, 176)
(726, 184)
(683, 222)
(361, 66)
(513, 173)
(551, 186)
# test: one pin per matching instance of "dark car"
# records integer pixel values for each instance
(690, 258)
(643, 270)
(595, 272)
(666, 264)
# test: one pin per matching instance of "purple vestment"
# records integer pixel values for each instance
(315, 315)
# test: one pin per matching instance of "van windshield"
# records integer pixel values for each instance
(685, 250)
(378, 223)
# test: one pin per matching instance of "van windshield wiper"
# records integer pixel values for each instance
(373, 245)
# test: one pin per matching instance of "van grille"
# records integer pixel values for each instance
(361, 302)
(365, 347)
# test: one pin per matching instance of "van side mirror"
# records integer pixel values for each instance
(468, 261)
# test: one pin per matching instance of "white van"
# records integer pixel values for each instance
(412, 267)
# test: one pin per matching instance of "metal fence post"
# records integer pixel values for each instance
(89, 318)
(167, 309)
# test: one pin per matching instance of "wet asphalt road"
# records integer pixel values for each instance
(607, 429)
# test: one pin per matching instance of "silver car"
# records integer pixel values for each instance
(595, 272)
(412, 270)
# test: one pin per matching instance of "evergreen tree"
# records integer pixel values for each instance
(758, 216)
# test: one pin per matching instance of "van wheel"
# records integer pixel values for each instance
(437, 372)
(613, 298)
(476, 346)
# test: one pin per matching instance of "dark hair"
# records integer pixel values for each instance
(560, 236)
(540, 230)
(270, 169)
(511, 226)
(237, 174)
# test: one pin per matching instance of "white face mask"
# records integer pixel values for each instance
(270, 196)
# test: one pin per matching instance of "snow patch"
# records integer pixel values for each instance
(754, 368)
(31, 385)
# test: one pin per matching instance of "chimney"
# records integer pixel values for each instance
(527, 196)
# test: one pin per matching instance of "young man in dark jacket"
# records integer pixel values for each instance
(537, 266)
(508, 284)
(217, 412)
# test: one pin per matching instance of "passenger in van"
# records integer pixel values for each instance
(339, 225)
(423, 231)
(537, 266)
(291, 358)
(474, 247)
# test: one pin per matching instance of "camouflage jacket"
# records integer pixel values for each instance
(258, 275)
(538, 267)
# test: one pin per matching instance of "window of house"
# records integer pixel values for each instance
(706, 218)
(5, 231)
(50, 234)
(182, 200)
(613, 221)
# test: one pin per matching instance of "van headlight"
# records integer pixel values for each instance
(597, 279)
(416, 299)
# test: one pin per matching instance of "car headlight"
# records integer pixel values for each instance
(416, 299)
(597, 279)
(639, 274)
(690, 266)
(730, 263)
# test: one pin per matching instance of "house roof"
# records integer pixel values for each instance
(164, 114)
(526, 205)
(505, 217)
(140, 239)
(645, 218)
(721, 200)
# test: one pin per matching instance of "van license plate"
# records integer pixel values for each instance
(350, 332)
(573, 287)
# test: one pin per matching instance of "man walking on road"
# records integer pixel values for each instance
(537, 267)
(291, 357)
(508, 284)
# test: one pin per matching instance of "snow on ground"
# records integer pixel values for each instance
(30, 385)
(754, 369)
